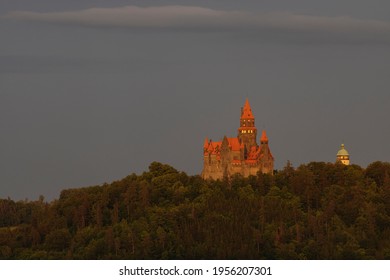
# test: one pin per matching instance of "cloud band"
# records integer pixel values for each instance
(199, 18)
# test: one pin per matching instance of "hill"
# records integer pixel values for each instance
(316, 211)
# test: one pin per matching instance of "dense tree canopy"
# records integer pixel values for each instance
(316, 211)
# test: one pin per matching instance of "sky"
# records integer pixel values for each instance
(92, 91)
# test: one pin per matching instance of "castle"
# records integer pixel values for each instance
(239, 154)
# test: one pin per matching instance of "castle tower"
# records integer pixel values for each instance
(266, 159)
(342, 156)
(247, 131)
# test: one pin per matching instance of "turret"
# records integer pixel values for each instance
(264, 138)
(265, 156)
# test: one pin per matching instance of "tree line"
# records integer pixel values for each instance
(315, 211)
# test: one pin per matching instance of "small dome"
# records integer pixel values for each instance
(342, 151)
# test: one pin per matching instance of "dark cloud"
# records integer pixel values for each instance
(199, 18)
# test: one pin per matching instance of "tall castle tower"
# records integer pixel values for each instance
(239, 154)
(247, 131)
(343, 156)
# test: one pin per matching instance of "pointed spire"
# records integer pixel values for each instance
(206, 143)
(264, 138)
(225, 141)
(247, 111)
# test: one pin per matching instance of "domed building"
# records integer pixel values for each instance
(343, 155)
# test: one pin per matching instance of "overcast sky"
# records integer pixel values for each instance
(93, 91)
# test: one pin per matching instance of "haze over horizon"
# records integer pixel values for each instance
(91, 92)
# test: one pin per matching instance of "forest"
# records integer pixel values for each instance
(314, 211)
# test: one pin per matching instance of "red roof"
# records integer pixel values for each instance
(217, 144)
(253, 153)
(206, 143)
(264, 149)
(264, 137)
(213, 147)
(234, 143)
